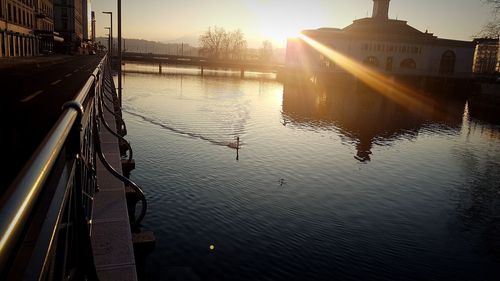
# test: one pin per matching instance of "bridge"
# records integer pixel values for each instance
(70, 212)
(202, 62)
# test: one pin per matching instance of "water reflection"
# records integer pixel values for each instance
(364, 116)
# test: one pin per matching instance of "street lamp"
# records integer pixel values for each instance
(109, 37)
(119, 10)
(111, 33)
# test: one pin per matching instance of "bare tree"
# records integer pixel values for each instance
(236, 44)
(211, 41)
(266, 51)
(495, 4)
(218, 43)
(492, 28)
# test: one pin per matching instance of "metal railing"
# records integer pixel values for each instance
(46, 214)
(136, 220)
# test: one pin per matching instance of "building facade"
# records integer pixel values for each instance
(386, 45)
(68, 20)
(486, 56)
(17, 23)
(44, 28)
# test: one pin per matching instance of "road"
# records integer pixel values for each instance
(32, 97)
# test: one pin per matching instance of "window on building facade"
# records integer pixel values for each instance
(408, 64)
(371, 61)
(447, 65)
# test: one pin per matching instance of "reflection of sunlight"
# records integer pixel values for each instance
(376, 80)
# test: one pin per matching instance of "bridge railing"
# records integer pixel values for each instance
(45, 215)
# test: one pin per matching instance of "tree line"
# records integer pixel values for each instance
(217, 42)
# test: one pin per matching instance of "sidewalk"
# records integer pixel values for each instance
(33, 62)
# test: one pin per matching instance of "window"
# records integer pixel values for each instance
(371, 61)
(447, 65)
(408, 64)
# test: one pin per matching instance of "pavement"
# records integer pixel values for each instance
(33, 62)
(32, 91)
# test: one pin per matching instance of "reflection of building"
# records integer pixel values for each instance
(17, 23)
(390, 46)
(363, 116)
(68, 20)
(486, 56)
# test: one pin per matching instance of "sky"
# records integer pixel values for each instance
(275, 20)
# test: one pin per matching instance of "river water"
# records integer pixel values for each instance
(328, 183)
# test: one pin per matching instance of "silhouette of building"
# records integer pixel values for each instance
(486, 56)
(17, 22)
(68, 21)
(389, 46)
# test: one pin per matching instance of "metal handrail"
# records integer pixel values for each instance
(123, 126)
(18, 202)
(26, 188)
(137, 189)
(106, 125)
(112, 170)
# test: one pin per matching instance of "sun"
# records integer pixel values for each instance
(276, 22)
(279, 34)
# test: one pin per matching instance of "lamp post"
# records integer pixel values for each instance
(109, 37)
(111, 33)
(119, 9)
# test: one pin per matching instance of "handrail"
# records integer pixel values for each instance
(123, 126)
(23, 193)
(137, 189)
(106, 125)
(19, 200)
(111, 169)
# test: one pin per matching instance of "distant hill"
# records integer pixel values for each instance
(191, 39)
(155, 47)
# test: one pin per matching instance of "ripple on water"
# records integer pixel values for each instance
(297, 205)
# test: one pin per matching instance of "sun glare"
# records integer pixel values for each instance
(383, 84)
(277, 22)
(280, 33)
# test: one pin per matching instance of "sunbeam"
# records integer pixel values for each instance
(381, 83)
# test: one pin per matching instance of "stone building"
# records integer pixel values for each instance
(44, 28)
(389, 46)
(17, 22)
